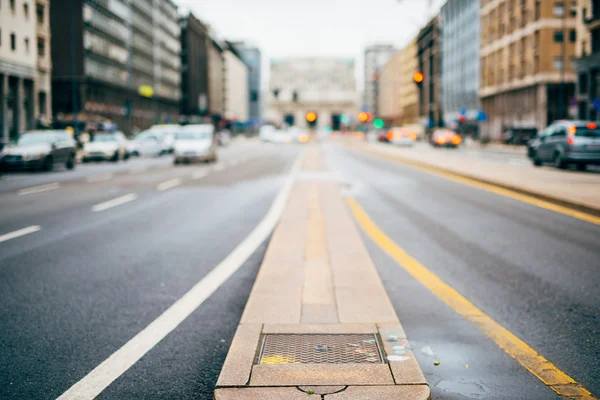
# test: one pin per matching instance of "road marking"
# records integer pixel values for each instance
(100, 178)
(494, 189)
(39, 189)
(114, 366)
(218, 167)
(171, 183)
(114, 202)
(19, 233)
(199, 174)
(535, 363)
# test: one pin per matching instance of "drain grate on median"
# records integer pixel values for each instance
(319, 349)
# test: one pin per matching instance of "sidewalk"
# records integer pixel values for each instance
(573, 189)
(318, 323)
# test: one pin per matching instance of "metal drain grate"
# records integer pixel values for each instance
(319, 349)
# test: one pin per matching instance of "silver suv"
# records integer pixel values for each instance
(567, 142)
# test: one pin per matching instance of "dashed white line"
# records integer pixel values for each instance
(100, 178)
(19, 233)
(114, 202)
(119, 362)
(39, 189)
(166, 185)
(199, 174)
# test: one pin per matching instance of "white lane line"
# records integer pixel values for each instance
(120, 361)
(100, 177)
(138, 170)
(199, 174)
(218, 167)
(114, 202)
(19, 233)
(166, 185)
(39, 189)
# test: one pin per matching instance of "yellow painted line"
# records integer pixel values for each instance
(492, 188)
(535, 363)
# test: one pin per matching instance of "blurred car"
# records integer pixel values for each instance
(132, 148)
(265, 132)
(40, 150)
(149, 144)
(166, 133)
(445, 138)
(567, 142)
(105, 146)
(280, 136)
(401, 136)
(195, 143)
(224, 138)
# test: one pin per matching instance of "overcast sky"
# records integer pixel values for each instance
(283, 28)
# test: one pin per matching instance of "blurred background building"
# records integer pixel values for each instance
(325, 86)
(195, 41)
(376, 57)
(116, 60)
(390, 91)
(235, 86)
(25, 66)
(409, 101)
(587, 51)
(429, 55)
(459, 38)
(252, 58)
(527, 78)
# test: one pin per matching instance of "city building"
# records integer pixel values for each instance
(587, 51)
(236, 86)
(116, 61)
(459, 37)
(325, 86)
(216, 80)
(252, 58)
(390, 91)
(25, 66)
(527, 77)
(194, 66)
(409, 92)
(429, 56)
(375, 58)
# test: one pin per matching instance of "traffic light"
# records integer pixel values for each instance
(311, 118)
(418, 78)
(364, 116)
(378, 123)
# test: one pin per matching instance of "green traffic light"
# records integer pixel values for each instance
(378, 123)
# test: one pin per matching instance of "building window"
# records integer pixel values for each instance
(12, 6)
(41, 45)
(537, 9)
(573, 35)
(573, 9)
(27, 45)
(557, 63)
(559, 36)
(13, 42)
(583, 83)
(559, 9)
(26, 10)
(573, 63)
(39, 9)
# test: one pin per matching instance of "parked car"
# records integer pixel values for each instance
(166, 133)
(567, 142)
(195, 143)
(401, 136)
(106, 146)
(149, 144)
(224, 138)
(40, 150)
(445, 138)
(265, 132)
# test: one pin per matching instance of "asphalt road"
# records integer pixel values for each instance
(99, 271)
(532, 270)
(74, 292)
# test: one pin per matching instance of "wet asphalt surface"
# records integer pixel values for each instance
(76, 291)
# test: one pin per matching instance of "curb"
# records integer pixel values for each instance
(440, 170)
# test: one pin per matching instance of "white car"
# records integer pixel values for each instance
(106, 146)
(195, 143)
(149, 144)
(266, 132)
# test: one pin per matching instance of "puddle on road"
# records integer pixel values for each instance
(468, 389)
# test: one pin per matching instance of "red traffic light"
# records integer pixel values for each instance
(311, 116)
(418, 77)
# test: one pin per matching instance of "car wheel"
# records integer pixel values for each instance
(115, 158)
(581, 166)
(70, 164)
(536, 160)
(558, 161)
(176, 162)
(48, 164)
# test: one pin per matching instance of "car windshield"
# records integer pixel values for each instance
(104, 138)
(34, 138)
(585, 131)
(194, 135)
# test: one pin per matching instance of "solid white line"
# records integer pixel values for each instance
(19, 233)
(114, 366)
(199, 174)
(114, 202)
(100, 178)
(166, 185)
(218, 167)
(39, 189)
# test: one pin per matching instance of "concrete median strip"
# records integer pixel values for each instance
(318, 321)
